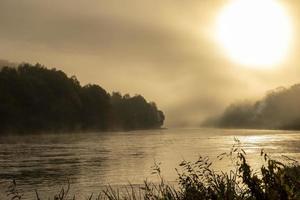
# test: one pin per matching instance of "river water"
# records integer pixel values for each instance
(91, 161)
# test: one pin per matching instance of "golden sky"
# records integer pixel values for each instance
(162, 49)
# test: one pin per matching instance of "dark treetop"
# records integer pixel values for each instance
(34, 98)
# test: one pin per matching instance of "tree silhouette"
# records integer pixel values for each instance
(34, 98)
(279, 109)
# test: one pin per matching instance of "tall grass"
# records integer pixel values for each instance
(198, 180)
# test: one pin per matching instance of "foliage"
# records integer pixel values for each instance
(277, 110)
(34, 98)
(197, 180)
(135, 112)
(275, 180)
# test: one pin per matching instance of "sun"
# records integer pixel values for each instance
(255, 33)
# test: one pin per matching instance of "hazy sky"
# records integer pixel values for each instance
(162, 49)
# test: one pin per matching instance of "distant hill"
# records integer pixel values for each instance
(34, 98)
(279, 109)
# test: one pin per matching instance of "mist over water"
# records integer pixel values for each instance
(92, 160)
(277, 110)
(114, 88)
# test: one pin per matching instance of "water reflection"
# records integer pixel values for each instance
(91, 160)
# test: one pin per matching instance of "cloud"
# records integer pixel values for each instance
(162, 49)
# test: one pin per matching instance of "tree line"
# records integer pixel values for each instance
(279, 109)
(34, 98)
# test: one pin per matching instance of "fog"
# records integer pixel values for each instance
(277, 110)
(164, 50)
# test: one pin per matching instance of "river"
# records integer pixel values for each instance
(91, 161)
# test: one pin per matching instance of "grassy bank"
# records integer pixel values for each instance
(198, 180)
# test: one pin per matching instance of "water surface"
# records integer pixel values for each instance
(92, 160)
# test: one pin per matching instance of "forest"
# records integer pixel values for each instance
(37, 99)
(279, 109)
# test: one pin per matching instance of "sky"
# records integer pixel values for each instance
(163, 49)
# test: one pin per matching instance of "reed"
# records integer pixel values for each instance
(198, 180)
